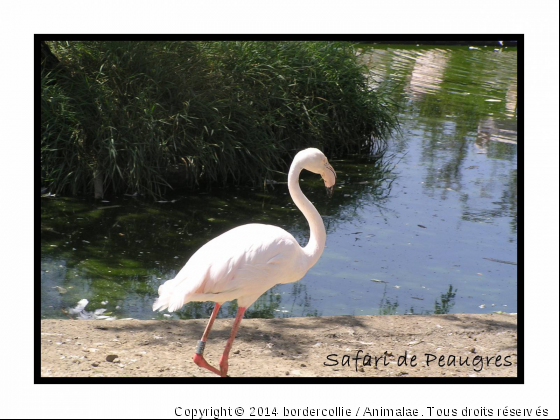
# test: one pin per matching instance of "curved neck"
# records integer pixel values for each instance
(318, 237)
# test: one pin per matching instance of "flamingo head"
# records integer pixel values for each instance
(315, 161)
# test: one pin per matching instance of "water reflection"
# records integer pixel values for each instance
(459, 102)
(427, 73)
(489, 129)
(451, 82)
(434, 221)
(511, 99)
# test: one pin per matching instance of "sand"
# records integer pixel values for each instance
(460, 345)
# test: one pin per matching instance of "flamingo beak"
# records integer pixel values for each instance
(329, 177)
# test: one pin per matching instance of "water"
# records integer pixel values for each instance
(431, 228)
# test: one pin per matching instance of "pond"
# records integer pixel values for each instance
(430, 228)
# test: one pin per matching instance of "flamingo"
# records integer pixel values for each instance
(246, 261)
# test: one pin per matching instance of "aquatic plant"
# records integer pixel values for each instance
(144, 116)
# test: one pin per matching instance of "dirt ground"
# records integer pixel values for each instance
(296, 347)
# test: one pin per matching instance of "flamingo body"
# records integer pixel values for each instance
(241, 264)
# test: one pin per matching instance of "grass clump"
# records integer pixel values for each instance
(126, 116)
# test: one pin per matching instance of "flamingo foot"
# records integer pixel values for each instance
(199, 360)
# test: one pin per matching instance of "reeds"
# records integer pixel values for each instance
(146, 116)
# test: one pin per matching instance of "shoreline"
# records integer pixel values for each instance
(457, 345)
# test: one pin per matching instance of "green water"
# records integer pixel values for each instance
(430, 228)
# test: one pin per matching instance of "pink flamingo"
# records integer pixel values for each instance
(246, 261)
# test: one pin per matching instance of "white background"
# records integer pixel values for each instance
(19, 397)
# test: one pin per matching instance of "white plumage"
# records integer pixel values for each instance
(241, 264)
(246, 261)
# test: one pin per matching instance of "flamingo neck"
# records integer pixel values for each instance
(316, 244)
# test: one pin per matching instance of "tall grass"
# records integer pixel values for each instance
(146, 116)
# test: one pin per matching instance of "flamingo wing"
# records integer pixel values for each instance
(240, 264)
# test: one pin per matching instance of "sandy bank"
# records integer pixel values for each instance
(287, 347)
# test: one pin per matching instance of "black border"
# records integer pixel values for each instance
(516, 40)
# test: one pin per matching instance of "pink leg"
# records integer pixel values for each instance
(225, 356)
(198, 358)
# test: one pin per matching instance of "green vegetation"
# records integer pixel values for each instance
(142, 117)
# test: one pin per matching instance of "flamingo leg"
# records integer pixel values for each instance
(198, 357)
(225, 356)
